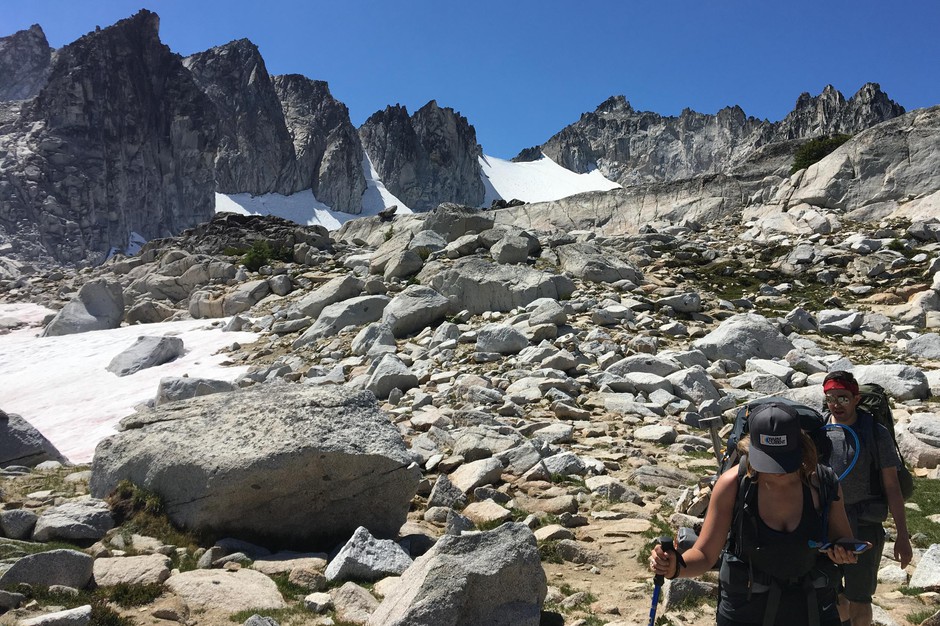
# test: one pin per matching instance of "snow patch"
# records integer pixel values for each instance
(60, 384)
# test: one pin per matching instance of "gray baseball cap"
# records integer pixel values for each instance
(775, 439)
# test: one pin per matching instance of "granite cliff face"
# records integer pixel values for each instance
(120, 139)
(255, 153)
(25, 59)
(635, 147)
(326, 145)
(427, 158)
(278, 134)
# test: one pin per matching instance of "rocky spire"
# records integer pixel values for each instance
(327, 147)
(255, 153)
(830, 113)
(24, 63)
(425, 159)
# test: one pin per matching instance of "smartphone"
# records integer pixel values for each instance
(852, 545)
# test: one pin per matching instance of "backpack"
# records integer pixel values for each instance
(874, 401)
(739, 577)
(812, 423)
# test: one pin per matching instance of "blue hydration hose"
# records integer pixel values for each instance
(858, 447)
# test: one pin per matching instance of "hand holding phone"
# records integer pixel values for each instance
(855, 546)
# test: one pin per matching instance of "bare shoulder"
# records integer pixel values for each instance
(726, 487)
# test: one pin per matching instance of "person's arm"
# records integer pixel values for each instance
(892, 489)
(889, 462)
(704, 554)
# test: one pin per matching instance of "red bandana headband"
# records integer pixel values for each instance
(848, 385)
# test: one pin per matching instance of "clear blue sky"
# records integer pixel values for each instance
(521, 70)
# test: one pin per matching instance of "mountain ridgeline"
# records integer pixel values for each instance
(634, 147)
(115, 134)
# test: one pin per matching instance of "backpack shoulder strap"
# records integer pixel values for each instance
(828, 485)
(737, 516)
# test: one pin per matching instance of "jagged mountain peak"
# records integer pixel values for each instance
(144, 24)
(25, 58)
(614, 104)
(426, 158)
(298, 79)
(115, 138)
(242, 46)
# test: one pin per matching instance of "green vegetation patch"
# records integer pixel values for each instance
(140, 511)
(281, 616)
(815, 150)
(918, 617)
(124, 595)
(262, 253)
(548, 552)
(13, 549)
(927, 498)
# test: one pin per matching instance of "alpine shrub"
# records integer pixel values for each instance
(814, 150)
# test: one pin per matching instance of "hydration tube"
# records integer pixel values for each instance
(858, 447)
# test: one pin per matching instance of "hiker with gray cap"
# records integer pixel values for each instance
(778, 526)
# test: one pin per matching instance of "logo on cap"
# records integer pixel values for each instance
(773, 440)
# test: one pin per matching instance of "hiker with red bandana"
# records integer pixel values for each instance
(870, 489)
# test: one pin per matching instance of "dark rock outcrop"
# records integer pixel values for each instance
(255, 152)
(426, 158)
(25, 59)
(634, 147)
(326, 144)
(119, 140)
(231, 231)
(22, 444)
(830, 113)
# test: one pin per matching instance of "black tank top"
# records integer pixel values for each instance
(768, 554)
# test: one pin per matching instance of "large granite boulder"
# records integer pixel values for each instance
(281, 464)
(476, 285)
(70, 568)
(99, 305)
(589, 262)
(172, 388)
(77, 520)
(743, 337)
(239, 590)
(335, 317)
(414, 309)
(144, 353)
(22, 444)
(493, 577)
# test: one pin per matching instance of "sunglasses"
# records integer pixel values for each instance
(840, 400)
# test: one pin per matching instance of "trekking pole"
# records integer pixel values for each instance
(712, 424)
(658, 580)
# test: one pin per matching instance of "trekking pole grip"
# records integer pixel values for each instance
(668, 546)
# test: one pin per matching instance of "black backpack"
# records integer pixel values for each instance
(874, 401)
(811, 421)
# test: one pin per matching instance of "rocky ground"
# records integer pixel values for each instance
(552, 379)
